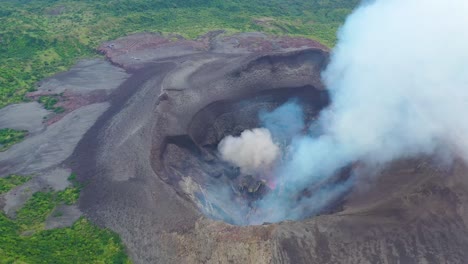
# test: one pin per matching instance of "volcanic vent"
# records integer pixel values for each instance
(223, 156)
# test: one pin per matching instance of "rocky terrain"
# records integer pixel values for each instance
(140, 131)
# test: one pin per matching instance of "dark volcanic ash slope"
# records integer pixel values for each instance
(182, 97)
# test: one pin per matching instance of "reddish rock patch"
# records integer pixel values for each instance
(131, 51)
(69, 101)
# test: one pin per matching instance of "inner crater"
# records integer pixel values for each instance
(234, 191)
(228, 159)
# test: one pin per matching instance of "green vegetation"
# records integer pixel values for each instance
(70, 195)
(9, 137)
(49, 103)
(39, 38)
(24, 239)
(81, 243)
(11, 181)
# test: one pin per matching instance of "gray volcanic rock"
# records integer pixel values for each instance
(50, 141)
(63, 216)
(52, 146)
(149, 162)
(26, 116)
(85, 77)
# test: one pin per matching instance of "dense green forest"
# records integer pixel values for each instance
(41, 37)
(24, 239)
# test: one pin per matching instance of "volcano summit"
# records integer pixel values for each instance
(157, 174)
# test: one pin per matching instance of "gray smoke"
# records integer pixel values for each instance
(253, 151)
(398, 79)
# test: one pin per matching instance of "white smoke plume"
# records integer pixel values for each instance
(398, 79)
(253, 151)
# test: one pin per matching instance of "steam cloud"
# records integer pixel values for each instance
(252, 152)
(398, 79)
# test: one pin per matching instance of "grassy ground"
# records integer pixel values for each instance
(39, 38)
(49, 103)
(11, 181)
(8, 137)
(24, 239)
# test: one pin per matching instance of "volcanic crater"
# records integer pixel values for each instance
(195, 154)
(152, 166)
